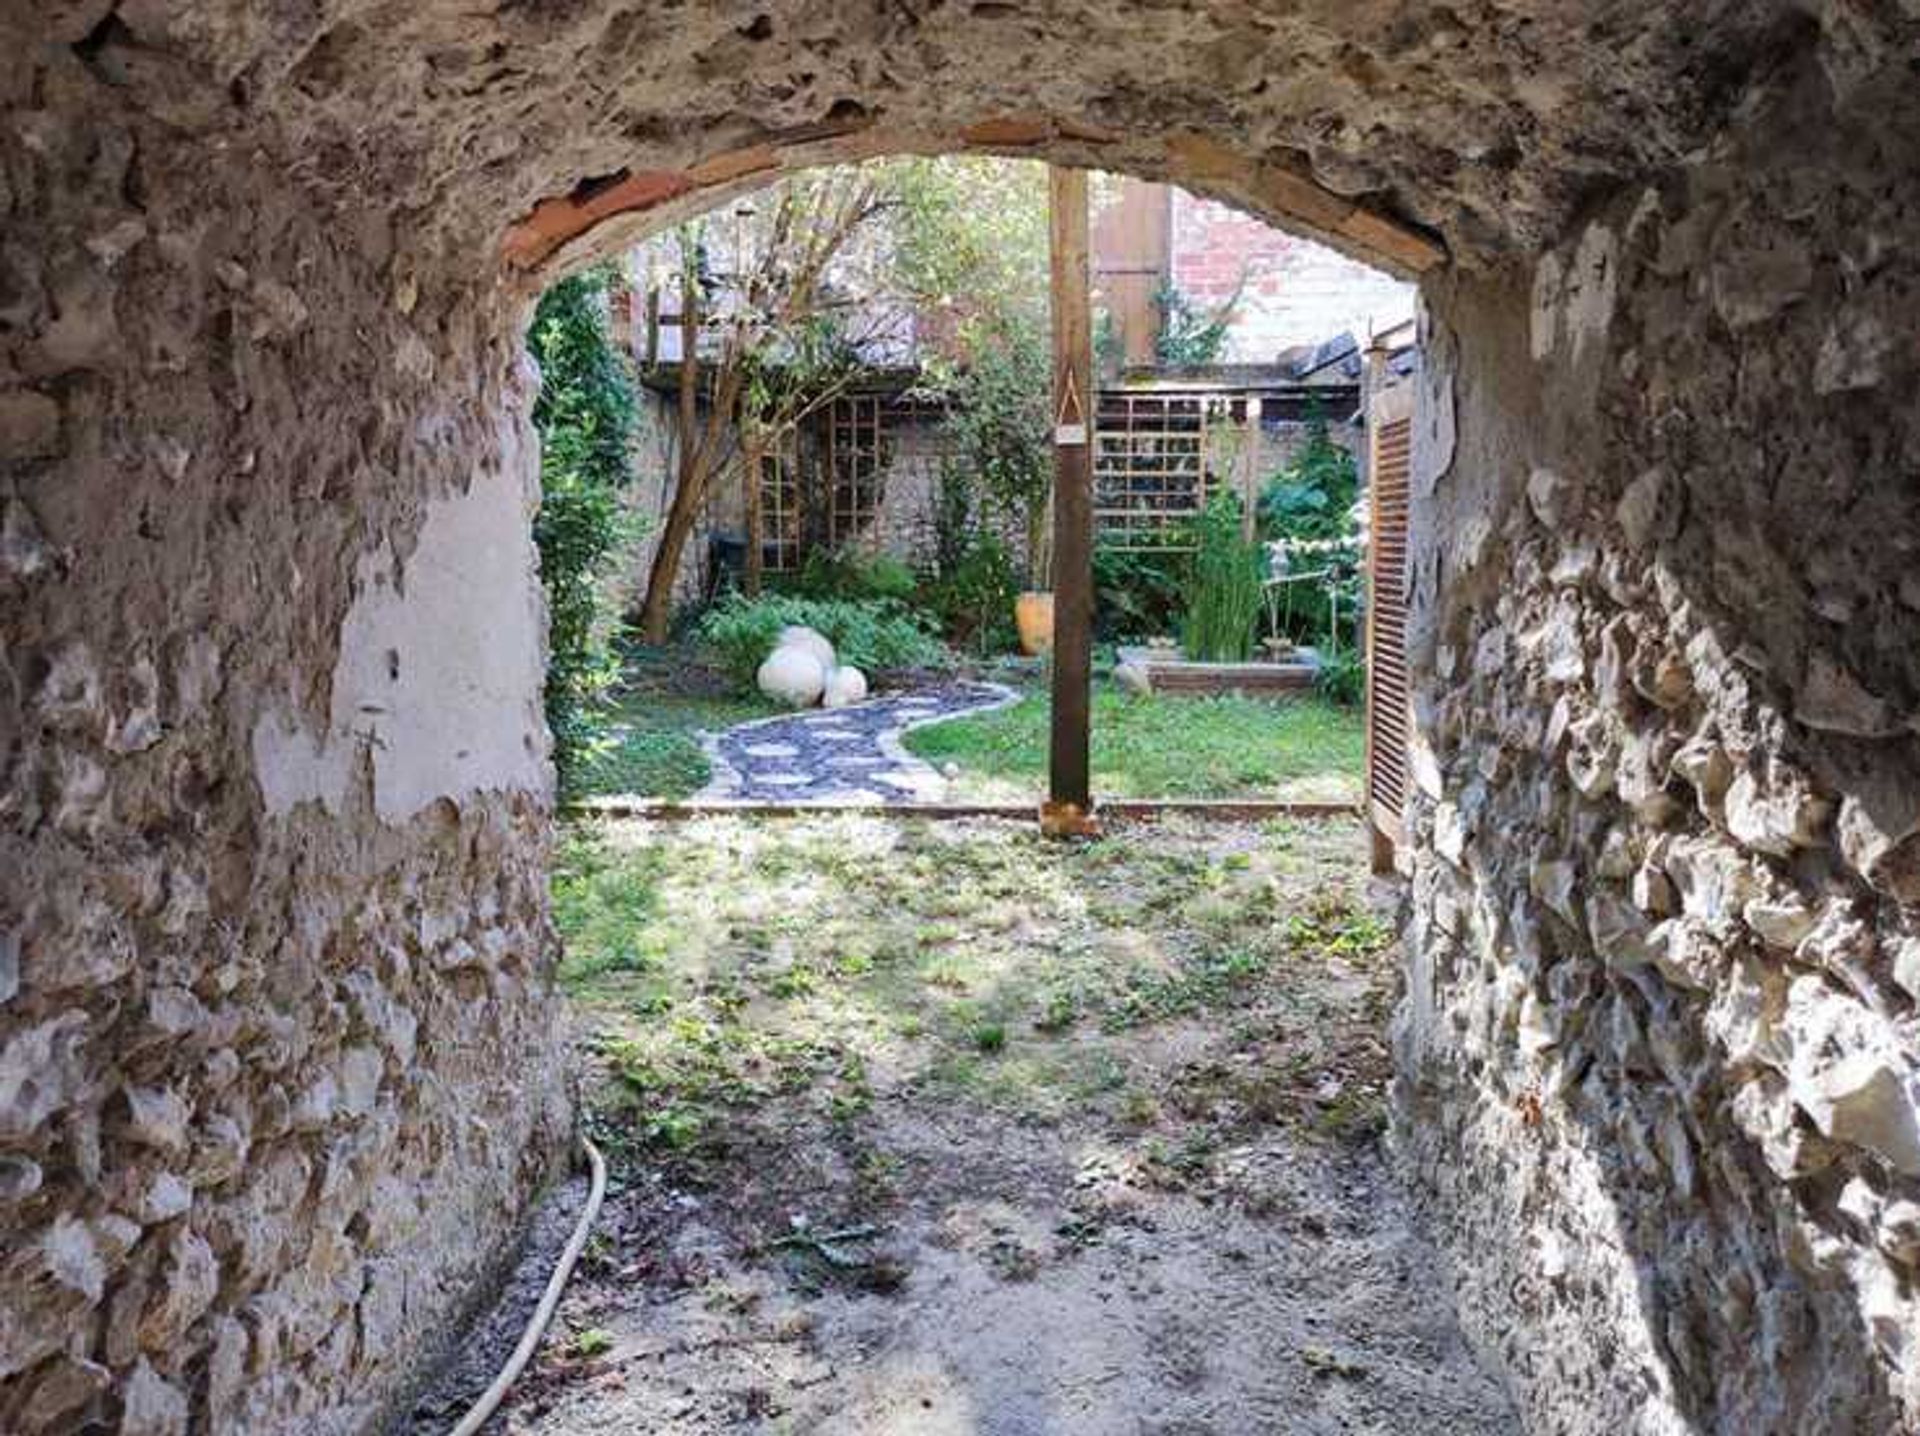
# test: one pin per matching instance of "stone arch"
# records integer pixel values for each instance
(273, 922)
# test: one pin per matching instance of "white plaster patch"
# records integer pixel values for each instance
(439, 671)
(1587, 304)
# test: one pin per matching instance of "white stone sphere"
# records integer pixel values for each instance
(844, 686)
(796, 635)
(792, 676)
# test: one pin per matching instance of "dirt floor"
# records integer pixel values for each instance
(938, 1129)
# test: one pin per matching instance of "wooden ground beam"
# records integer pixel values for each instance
(1117, 810)
(1068, 811)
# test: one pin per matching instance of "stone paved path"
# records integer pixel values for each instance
(842, 756)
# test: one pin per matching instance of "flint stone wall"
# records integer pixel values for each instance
(278, 1065)
(278, 1070)
(1660, 1058)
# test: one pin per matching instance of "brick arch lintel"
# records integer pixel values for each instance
(562, 229)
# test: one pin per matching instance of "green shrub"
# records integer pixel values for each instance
(1136, 594)
(1343, 677)
(1313, 497)
(1223, 586)
(853, 573)
(974, 596)
(873, 635)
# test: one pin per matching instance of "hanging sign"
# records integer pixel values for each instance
(1070, 424)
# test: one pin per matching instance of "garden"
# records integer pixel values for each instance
(637, 684)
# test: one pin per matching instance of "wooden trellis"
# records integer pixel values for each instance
(780, 535)
(856, 466)
(1159, 457)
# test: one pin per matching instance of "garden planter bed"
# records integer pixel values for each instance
(1170, 674)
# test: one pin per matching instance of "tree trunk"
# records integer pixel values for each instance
(755, 535)
(656, 613)
(656, 610)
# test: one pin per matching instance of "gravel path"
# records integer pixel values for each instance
(849, 757)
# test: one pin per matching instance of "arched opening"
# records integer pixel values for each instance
(945, 1077)
(274, 926)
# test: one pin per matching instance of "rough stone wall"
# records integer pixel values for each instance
(276, 1072)
(1660, 1051)
(278, 1069)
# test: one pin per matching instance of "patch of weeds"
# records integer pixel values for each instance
(1139, 1108)
(682, 1075)
(594, 1341)
(1211, 980)
(1096, 1075)
(853, 962)
(1354, 1117)
(1334, 926)
(607, 907)
(798, 980)
(988, 1036)
(878, 1174)
(1058, 1012)
(854, 1095)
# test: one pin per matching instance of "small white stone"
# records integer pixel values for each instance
(151, 1405)
(157, 1118)
(1780, 922)
(1832, 700)
(771, 750)
(845, 686)
(1906, 966)
(1899, 1232)
(1642, 507)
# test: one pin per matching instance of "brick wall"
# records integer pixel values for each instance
(1295, 292)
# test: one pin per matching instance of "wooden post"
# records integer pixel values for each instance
(1068, 811)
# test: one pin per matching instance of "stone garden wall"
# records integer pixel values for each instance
(1660, 1051)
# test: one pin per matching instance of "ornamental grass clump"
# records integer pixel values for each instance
(1223, 587)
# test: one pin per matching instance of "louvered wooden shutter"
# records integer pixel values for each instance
(1390, 469)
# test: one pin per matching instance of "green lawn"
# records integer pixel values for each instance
(737, 970)
(652, 745)
(1163, 746)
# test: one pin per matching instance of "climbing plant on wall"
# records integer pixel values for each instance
(585, 419)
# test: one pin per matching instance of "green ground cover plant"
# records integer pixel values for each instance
(874, 634)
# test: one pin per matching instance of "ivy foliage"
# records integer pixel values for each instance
(585, 417)
(1188, 333)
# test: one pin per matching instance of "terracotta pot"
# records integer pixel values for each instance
(1033, 614)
